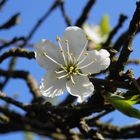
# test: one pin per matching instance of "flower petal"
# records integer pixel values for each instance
(51, 86)
(76, 39)
(51, 49)
(82, 89)
(100, 60)
(93, 33)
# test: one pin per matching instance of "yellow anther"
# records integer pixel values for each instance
(44, 54)
(86, 53)
(76, 71)
(71, 68)
(58, 38)
(94, 60)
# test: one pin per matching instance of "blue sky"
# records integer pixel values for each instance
(54, 25)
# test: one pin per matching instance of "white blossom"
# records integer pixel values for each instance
(69, 64)
(94, 34)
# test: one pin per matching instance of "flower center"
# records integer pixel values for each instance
(73, 70)
(68, 72)
(70, 67)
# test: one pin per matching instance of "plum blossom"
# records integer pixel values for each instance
(97, 34)
(69, 64)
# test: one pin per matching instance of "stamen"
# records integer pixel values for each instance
(64, 68)
(74, 60)
(71, 68)
(82, 50)
(61, 49)
(68, 51)
(69, 57)
(82, 59)
(63, 76)
(82, 74)
(94, 60)
(47, 56)
(67, 45)
(58, 72)
(71, 77)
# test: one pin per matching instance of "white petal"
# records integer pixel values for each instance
(51, 49)
(76, 39)
(51, 86)
(100, 59)
(93, 33)
(82, 89)
(104, 53)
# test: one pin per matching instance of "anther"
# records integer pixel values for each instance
(86, 53)
(58, 38)
(94, 59)
(71, 68)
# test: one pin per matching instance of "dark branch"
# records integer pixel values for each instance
(65, 16)
(31, 83)
(8, 43)
(14, 20)
(127, 49)
(12, 101)
(115, 30)
(84, 14)
(17, 52)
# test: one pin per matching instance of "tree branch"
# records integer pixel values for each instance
(17, 52)
(84, 14)
(31, 83)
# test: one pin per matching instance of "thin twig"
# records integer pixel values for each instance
(84, 14)
(31, 83)
(65, 16)
(16, 52)
(115, 30)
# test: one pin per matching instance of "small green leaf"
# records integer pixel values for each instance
(104, 25)
(133, 99)
(124, 106)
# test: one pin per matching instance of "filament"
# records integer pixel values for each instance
(88, 64)
(47, 56)
(71, 77)
(61, 49)
(82, 50)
